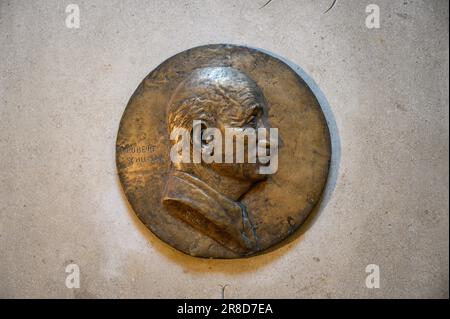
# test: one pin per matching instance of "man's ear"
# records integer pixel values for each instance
(199, 146)
(198, 127)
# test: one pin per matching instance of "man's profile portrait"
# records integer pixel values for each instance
(207, 195)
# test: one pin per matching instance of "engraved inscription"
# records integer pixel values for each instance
(140, 154)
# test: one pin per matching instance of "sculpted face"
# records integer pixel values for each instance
(221, 97)
(247, 117)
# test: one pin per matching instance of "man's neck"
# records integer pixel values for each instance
(225, 185)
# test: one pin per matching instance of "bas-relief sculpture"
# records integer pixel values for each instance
(206, 196)
(222, 210)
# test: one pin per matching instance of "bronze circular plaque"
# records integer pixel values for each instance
(174, 162)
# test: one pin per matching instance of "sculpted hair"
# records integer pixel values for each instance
(212, 93)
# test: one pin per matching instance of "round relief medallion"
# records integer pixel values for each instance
(178, 160)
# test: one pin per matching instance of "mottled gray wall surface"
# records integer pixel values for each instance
(385, 93)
